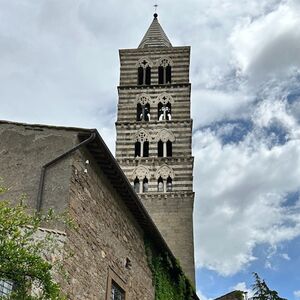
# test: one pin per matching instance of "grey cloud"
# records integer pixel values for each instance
(277, 57)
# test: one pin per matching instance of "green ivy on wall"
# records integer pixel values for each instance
(169, 280)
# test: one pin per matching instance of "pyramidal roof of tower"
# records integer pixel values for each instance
(155, 36)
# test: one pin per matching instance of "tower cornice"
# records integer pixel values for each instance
(141, 124)
(154, 50)
(154, 86)
(151, 160)
(167, 195)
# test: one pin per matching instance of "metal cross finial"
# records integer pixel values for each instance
(155, 5)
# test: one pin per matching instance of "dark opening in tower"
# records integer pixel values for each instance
(169, 184)
(146, 149)
(145, 185)
(136, 185)
(160, 149)
(143, 112)
(164, 74)
(144, 74)
(137, 149)
(169, 148)
(160, 184)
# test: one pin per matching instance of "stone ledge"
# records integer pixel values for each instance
(130, 160)
(154, 86)
(123, 124)
(167, 195)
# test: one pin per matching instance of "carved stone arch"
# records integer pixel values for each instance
(141, 172)
(164, 172)
(143, 99)
(165, 135)
(164, 98)
(142, 135)
(144, 62)
(164, 61)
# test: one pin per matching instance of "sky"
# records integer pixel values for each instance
(59, 65)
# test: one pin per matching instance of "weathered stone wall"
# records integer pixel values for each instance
(53, 252)
(172, 215)
(106, 236)
(107, 233)
(24, 149)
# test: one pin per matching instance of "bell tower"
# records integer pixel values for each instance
(154, 136)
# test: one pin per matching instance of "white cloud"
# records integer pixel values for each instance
(241, 189)
(268, 45)
(274, 110)
(297, 294)
(285, 256)
(210, 106)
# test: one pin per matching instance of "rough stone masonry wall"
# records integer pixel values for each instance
(107, 234)
(172, 215)
(24, 149)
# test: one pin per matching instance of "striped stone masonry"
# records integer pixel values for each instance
(171, 204)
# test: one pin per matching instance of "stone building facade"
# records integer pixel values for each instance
(80, 176)
(154, 136)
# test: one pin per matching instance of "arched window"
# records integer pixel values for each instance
(143, 112)
(137, 149)
(165, 71)
(169, 149)
(140, 177)
(160, 185)
(136, 185)
(145, 185)
(144, 73)
(142, 143)
(169, 184)
(164, 111)
(165, 177)
(160, 149)
(164, 149)
(146, 149)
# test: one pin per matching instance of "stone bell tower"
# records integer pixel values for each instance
(154, 136)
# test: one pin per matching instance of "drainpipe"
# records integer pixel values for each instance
(44, 168)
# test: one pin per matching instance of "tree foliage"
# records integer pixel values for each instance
(262, 291)
(22, 255)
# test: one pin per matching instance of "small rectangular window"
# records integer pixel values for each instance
(116, 287)
(6, 287)
(117, 293)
